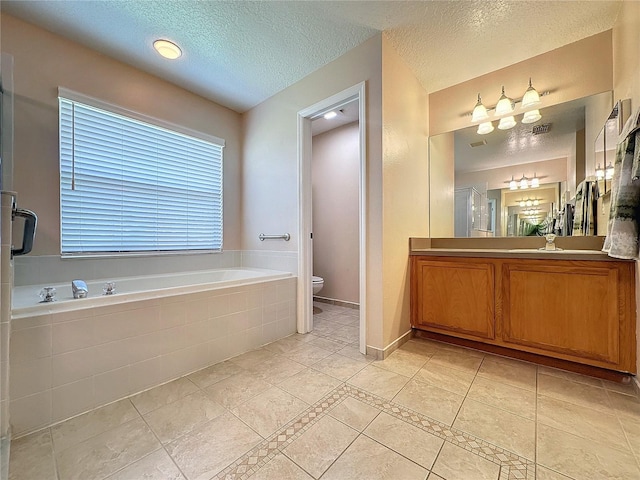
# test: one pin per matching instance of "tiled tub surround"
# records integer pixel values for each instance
(301, 408)
(69, 362)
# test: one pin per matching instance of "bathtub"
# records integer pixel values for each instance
(73, 355)
(26, 300)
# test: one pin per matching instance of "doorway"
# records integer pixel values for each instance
(305, 214)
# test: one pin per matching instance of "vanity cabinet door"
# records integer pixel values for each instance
(453, 296)
(575, 310)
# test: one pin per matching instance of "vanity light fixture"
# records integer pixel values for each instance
(513, 185)
(524, 183)
(505, 108)
(167, 49)
(479, 112)
(330, 115)
(599, 173)
(504, 105)
(531, 97)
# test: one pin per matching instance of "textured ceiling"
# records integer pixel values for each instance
(239, 53)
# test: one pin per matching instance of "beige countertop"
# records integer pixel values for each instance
(584, 248)
(514, 253)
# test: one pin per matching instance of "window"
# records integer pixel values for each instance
(129, 183)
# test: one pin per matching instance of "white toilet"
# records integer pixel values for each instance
(318, 283)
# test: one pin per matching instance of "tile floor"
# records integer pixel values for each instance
(311, 406)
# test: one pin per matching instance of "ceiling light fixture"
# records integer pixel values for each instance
(167, 49)
(330, 115)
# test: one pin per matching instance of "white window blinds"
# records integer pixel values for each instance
(132, 186)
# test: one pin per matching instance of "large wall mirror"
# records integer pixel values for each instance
(521, 181)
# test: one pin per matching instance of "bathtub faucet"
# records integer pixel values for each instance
(79, 288)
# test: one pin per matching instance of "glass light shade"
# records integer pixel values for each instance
(535, 181)
(531, 98)
(504, 106)
(536, 202)
(513, 185)
(529, 203)
(531, 116)
(599, 172)
(608, 174)
(522, 203)
(485, 128)
(506, 123)
(167, 49)
(524, 183)
(479, 112)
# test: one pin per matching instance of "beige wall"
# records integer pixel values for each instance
(269, 167)
(574, 71)
(335, 172)
(405, 183)
(442, 178)
(626, 76)
(43, 62)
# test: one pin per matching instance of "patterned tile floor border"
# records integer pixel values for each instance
(512, 466)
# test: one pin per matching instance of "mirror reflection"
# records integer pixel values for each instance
(528, 180)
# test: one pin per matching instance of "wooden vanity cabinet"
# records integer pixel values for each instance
(581, 311)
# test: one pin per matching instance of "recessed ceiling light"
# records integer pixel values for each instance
(167, 49)
(330, 115)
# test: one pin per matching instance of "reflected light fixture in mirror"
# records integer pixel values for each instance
(535, 181)
(506, 123)
(531, 116)
(484, 128)
(599, 173)
(608, 173)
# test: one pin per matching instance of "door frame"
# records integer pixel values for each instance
(305, 249)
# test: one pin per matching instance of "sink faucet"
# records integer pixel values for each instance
(79, 289)
(550, 245)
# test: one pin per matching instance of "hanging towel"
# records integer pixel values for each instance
(584, 222)
(623, 229)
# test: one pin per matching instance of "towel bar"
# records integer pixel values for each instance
(264, 237)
